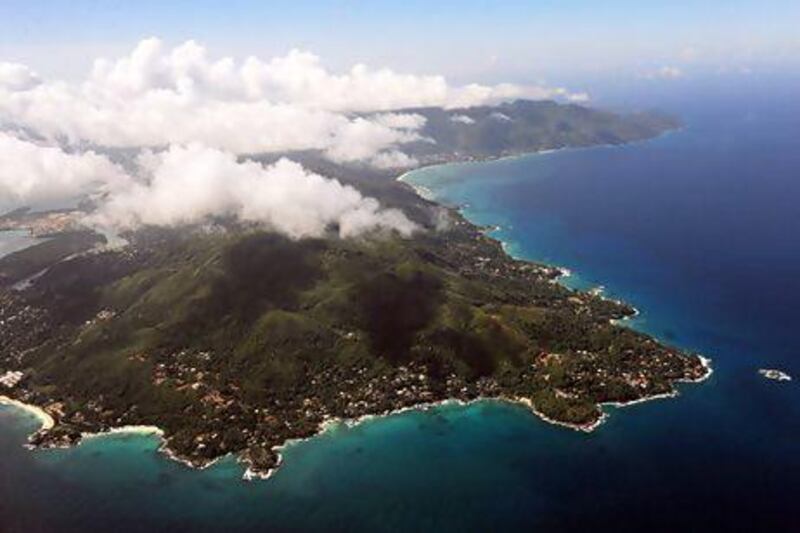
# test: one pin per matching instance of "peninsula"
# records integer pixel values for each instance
(231, 338)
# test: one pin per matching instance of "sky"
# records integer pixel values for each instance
(465, 40)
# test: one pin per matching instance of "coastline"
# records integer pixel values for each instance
(466, 160)
(329, 424)
(564, 273)
(134, 430)
(47, 421)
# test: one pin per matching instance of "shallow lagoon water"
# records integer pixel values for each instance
(697, 229)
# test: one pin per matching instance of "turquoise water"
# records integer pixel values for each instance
(454, 468)
(697, 229)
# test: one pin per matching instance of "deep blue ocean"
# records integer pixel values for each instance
(699, 229)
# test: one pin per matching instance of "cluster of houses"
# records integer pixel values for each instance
(11, 378)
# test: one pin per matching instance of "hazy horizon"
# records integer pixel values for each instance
(542, 42)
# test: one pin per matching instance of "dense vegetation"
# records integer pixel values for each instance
(526, 126)
(237, 339)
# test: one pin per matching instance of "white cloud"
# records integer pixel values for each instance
(500, 116)
(156, 96)
(17, 77)
(578, 98)
(299, 77)
(406, 121)
(666, 72)
(462, 119)
(32, 174)
(190, 184)
(160, 117)
(192, 115)
(361, 139)
(393, 159)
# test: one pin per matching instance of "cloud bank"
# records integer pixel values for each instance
(34, 174)
(190, 184)
(190, 116)
(156, 96)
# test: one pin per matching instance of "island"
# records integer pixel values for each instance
(774, 374)
(232, 339)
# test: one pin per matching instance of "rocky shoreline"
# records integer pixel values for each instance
(258, 473)
(40, 440)
(649, 371)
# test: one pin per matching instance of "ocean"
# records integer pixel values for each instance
(698, 229)
(14, 240)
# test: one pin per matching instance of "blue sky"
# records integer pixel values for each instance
(465, 40)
